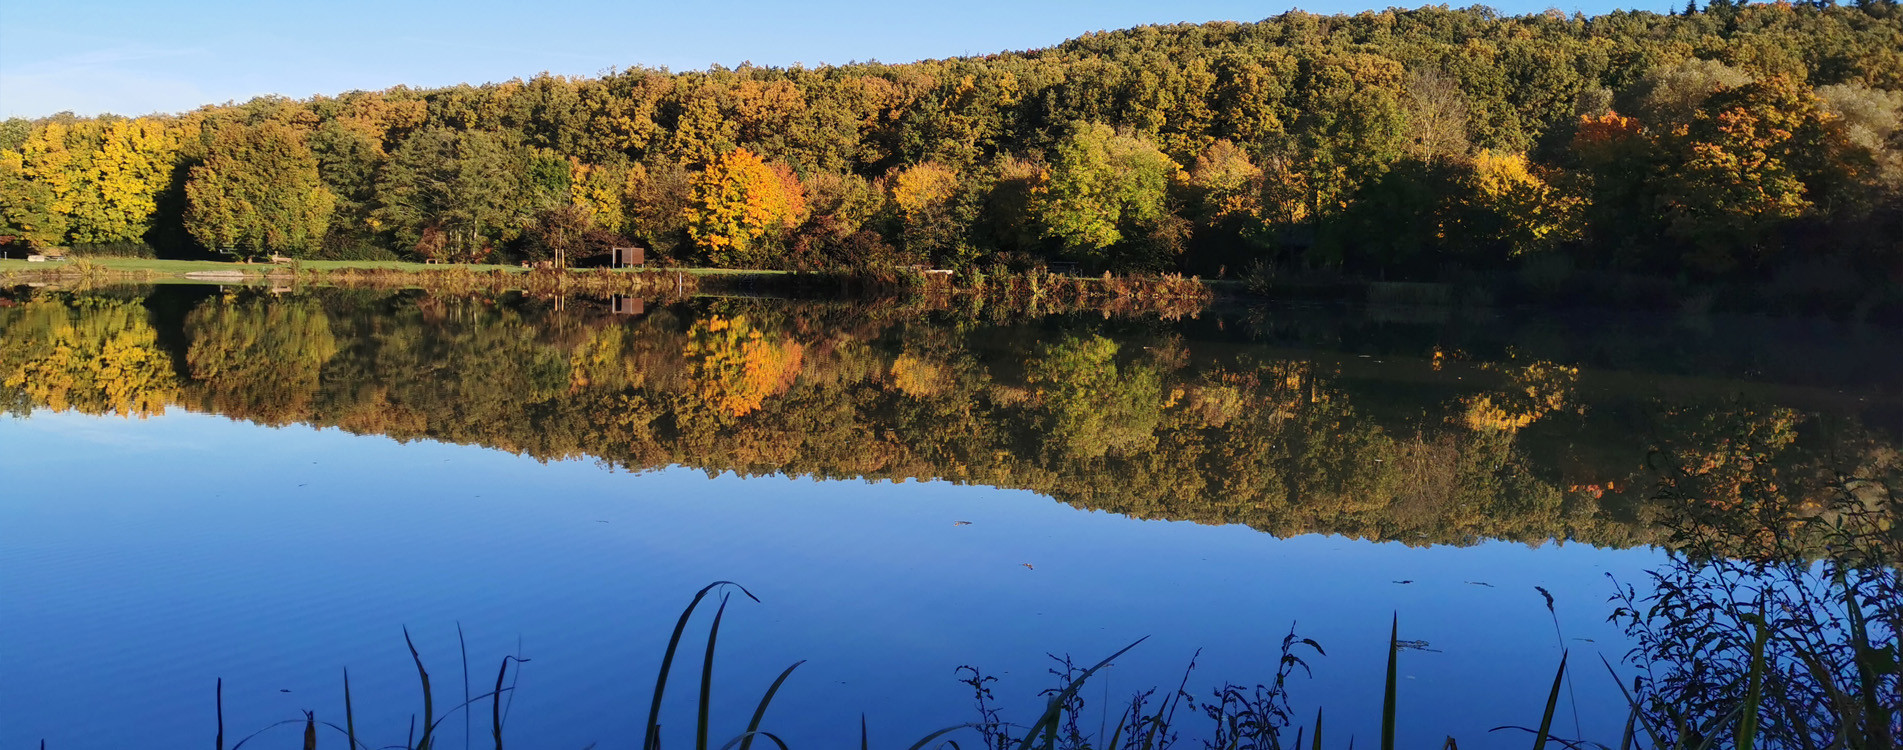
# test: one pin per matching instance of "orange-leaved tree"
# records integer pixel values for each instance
(737, 203)
(1747, 161)
(735, 367)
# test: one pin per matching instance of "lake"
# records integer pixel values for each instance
(209, 484)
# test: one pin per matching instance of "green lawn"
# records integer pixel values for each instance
(123, 264)
(400, 265)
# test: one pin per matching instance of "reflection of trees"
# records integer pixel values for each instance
(1534, 391)
(96, 355)
(465, 371)
(259, 359)
(1722, 472)
(1091, 404)
(1092, 414)
(736, 366)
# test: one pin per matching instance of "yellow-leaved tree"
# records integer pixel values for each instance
(1225, 183)
(121, 180)
(602, 191)
(929, 225)
(1515, 207)
(40, 197)
(921, 189)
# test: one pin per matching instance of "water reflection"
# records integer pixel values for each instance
(1134, 418)
(1435, 439)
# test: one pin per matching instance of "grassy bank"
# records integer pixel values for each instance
(1016, 293)
(1012, 292)
(150, 269)
(443, 278)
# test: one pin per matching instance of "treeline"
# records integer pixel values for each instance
(1736, 141)
(1121, 416)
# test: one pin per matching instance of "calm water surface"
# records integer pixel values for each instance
(269, 490)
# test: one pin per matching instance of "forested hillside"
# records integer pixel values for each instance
(1736, 141)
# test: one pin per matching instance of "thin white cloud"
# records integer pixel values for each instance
(123, 80)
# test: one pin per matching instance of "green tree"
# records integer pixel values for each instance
(1352, 125)
(349, 152)
(26, 205)
(453, 195)
(258, 191)
(1102, 187)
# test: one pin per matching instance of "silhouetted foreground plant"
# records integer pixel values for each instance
(1243, 717)
(1780, 650)
(1721, 671)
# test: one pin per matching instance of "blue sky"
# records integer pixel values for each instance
(93, 56)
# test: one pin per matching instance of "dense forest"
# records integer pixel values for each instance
(1759, 142)
(1127, 415)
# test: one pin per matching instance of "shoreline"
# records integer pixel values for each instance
(1025, 291)
(1030, 292)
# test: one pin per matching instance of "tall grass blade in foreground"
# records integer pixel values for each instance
(350, 716)
(1552, 702)
(462, 644)
(1872, 663)
(1561, 637)
(429, 706)
(1637, 714)
(652, 738)
(495, 707)
(753, 725)
(1754, 690)
(748, 737)
(1546, 718)
(1388, 700)
(707, 677)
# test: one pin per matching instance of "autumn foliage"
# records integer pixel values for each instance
(736, 367)
(1737, 143)
(737, 202)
